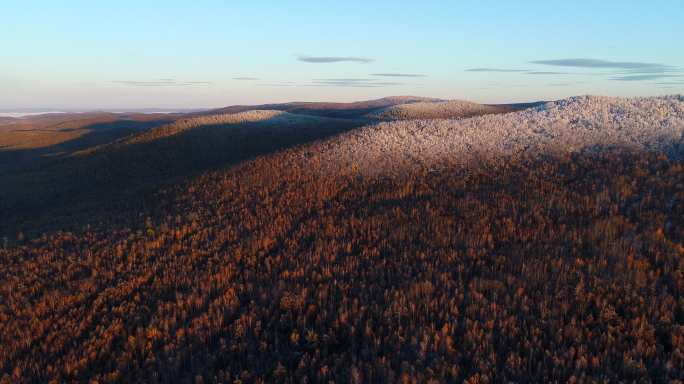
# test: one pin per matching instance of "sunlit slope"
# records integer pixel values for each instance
(575, 124)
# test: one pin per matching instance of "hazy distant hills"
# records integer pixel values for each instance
(36, 140)
(24, 113)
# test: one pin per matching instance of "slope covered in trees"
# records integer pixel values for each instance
(34, 141)
(87, 165)
(121, 174)
(328, 262)
(453, 109)
(577, 124)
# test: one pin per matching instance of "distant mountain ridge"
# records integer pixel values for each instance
(330, 109)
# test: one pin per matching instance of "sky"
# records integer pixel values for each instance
(181, 54)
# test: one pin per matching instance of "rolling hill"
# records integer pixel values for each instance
(454, 109)
(572, 125)
(65, 190)
(60, 168)
(36, 140)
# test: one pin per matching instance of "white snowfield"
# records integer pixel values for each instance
(576, 124)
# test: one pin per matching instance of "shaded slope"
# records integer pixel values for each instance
(38, 140)
(6, 120)
(119, 175)
(453, 109)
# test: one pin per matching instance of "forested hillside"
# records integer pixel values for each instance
(399, 252)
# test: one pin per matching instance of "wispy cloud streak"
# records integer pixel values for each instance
(333, 59)
(360, 83)
(614, 70)
(502, 70)
(161, 83)
(631, 66)
(398, 75)
(671, 83)
(336, 82)
(351, 79)
(546, 73)
(639, 77)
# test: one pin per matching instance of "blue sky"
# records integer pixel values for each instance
(170, 54)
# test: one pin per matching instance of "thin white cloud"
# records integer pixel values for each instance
(360, 83)
(545, 73)
(160, 83)
(639, 77)
(333, 59)
(629, 66)
(502, 70)
(336, 82)
(397, 75)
